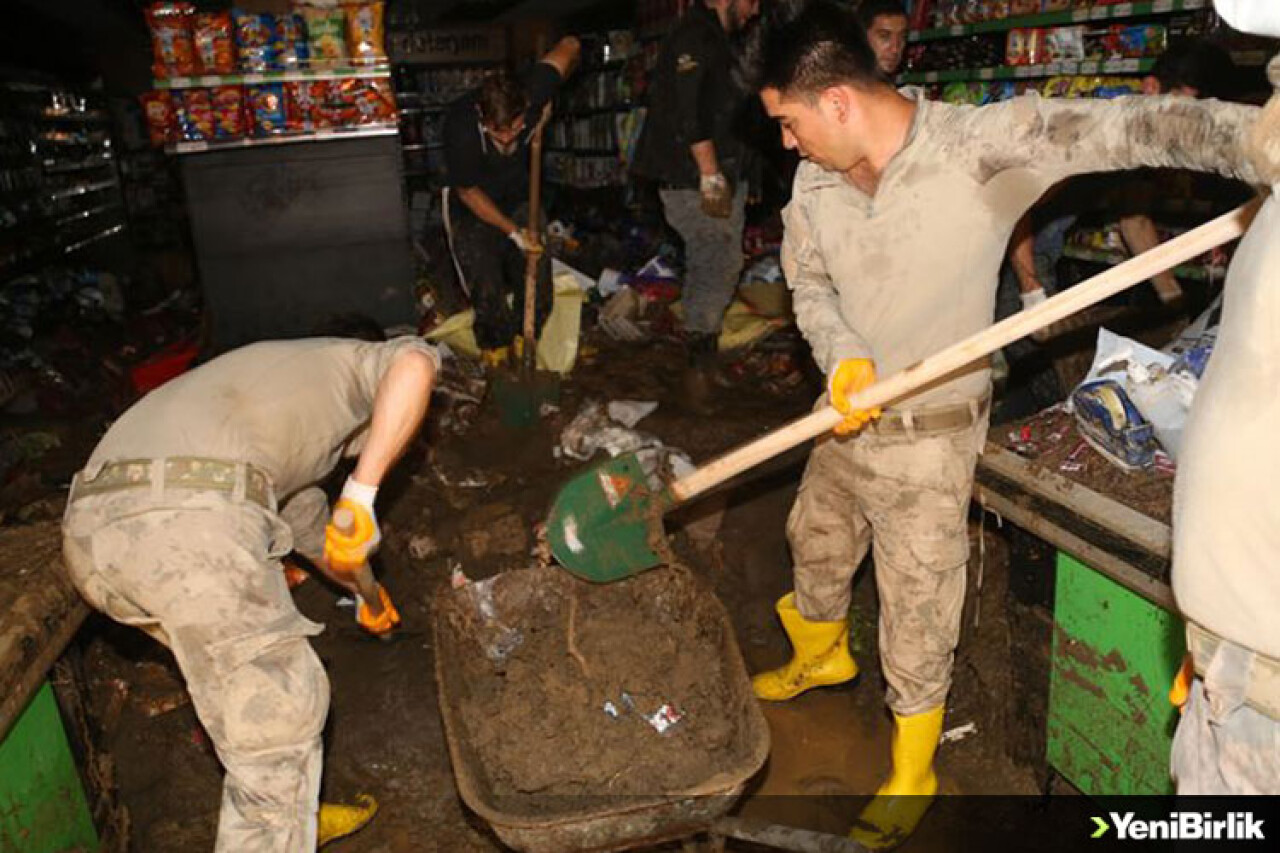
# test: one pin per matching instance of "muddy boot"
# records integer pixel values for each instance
(698, 381)
(821, 656)
(896, 810)
(339, 821)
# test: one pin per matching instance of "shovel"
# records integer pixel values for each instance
(602, 520)
(520, 397)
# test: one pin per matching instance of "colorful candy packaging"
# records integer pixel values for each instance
(228, 112)
(193, 115)
(255, 40)
(374, 101)
(291, 42)
(215, 49)
(365, 32)
(266, 105)
(307, 105)
(157, 109)
(171, 42)
(1064, 44)
(325, 35)
(1024, 7)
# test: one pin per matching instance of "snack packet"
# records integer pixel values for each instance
(373, 101)
(291, 42)
(193, 115)
(228, 112)
(267, 108)
(325, 35)
(365, 32)
(215, 49)
(157, 110)
(306, 105)
(255, 40)
(171, 43)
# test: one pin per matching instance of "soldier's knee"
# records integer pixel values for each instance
(277, 699)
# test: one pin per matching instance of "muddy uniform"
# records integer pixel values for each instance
(897, 276)
(173, 527)
(692, 98)
(1226, 528)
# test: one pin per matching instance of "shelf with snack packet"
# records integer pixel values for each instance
(324, 135)
(315, 40)
(1191, 272)
(953, 20)
(1018, 72)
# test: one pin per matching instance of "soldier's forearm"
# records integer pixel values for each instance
(704, 154)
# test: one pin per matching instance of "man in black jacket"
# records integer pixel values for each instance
(689, 147)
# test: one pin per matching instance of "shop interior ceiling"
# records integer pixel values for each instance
(492, 11)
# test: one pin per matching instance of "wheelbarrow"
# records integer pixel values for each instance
(479, 617)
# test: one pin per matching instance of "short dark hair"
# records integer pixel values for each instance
(501, 100)
(872, 9)
(805, 46)
(1199, 64)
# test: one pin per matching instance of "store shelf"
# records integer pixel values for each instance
(423, 146)
(1024, 72)
(83, 189)
(1192, 272)
(53, 167)
(372, 72)
(1110, 12)
(87, 117)
(283, 139)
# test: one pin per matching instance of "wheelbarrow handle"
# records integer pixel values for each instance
(1138, 269)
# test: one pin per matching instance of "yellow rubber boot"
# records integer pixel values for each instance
(821, 656)
(496, 357)
(338, 821)
(891, 817)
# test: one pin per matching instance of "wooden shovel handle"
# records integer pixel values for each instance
(345, 522)
(1167, 255)
(531, 258)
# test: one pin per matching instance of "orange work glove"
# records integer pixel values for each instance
(1180, 691)
(851, 376)
(378, 625)
(346, 550)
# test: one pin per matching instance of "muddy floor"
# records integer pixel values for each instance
(468, 499)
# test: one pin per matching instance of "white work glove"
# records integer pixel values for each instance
(347, 551)
(517, 237)
(1032, 298)
(717, 195)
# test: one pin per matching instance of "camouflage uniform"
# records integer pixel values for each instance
(897, 276)
(1226, 521)
(174, 526)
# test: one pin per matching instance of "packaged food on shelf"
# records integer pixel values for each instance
(228, 112)
(157, 110)
(266, 108)
(326, 34)
(1029, 7)
(193, 115)
(306, 106)
(212, 34)
(365, 31)
(172, 44)
(255, 40)
(1064, 44)
(290, 47)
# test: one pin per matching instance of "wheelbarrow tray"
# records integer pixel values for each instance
(539, 823)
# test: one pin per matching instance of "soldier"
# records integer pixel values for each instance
(895, 233)
(177, 525)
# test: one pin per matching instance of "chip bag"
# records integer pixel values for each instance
(365, 32)
(306, 105)
(215, 49)
(266, 104)
(228, 112)
(171, 41)
(372, 101)
(325, 35)
(157, 110)
(255, 39)
(291, 42)
(193, 115)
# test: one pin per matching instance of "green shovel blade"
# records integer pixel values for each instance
(599, 524)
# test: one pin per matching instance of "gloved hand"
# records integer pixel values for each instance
(378, 625)
(347, 550)
(717, 195)
(525, 241)
(1032, 298)
(851, 376)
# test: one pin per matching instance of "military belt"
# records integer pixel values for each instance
(177, 472)
(1262, 693)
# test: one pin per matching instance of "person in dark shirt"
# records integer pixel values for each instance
(690, 147)
(487, 134)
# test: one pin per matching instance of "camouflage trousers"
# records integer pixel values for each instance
(712, 255)
(1224, 747)
(199, 570)
(905, 496)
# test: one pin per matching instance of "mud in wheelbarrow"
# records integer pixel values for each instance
(594, 717)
